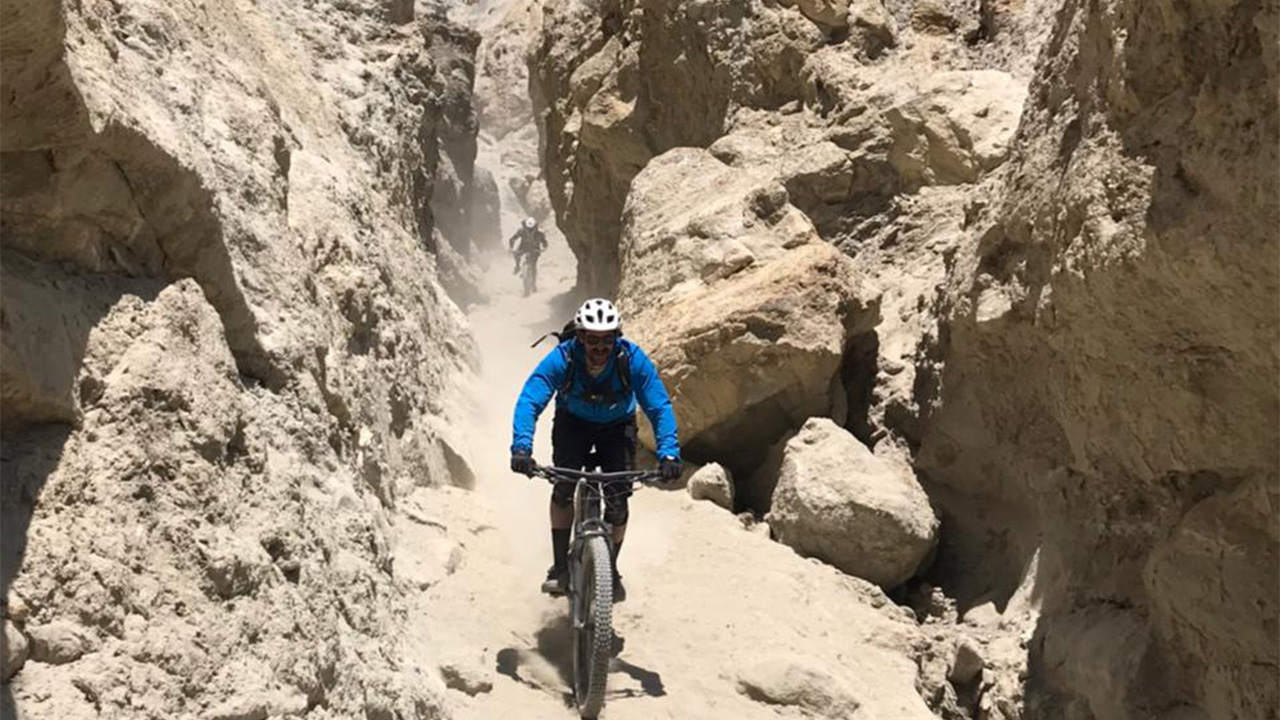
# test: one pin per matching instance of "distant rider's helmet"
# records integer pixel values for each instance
(597, 315)
(529, 224)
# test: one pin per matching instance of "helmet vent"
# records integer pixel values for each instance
(598, 315)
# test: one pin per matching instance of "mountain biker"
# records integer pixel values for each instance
(532, 242)
(597, 377)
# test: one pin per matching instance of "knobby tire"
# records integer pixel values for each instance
(529, 277)
(593, 643)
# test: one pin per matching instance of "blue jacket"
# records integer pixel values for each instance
(646, 386)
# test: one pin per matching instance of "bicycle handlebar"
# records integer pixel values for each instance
(558, 474)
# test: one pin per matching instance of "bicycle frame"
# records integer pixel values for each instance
(590, 499)
(591, 643)
(589, 502)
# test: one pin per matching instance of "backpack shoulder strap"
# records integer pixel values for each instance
(624, 370)
(567, 385)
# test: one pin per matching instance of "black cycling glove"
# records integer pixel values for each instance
(522, 461)
(670, 469)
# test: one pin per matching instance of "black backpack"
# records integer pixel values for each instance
(594, 393)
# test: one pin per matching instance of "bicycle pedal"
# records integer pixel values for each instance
(619, 643)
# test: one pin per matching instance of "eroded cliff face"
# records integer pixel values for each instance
(226, 355)
(509, 132)
(1111, 357)
(1058, 301)
(620, 82)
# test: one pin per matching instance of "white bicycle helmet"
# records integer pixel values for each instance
(529, 223)
(597, 315)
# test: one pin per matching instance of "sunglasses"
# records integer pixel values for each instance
(596, 340)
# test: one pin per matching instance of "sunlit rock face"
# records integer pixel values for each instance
(1060, 219)
(226, 355)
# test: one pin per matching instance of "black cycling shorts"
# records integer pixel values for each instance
(572, 439)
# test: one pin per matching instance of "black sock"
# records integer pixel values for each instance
(560, 548)
(617, 550)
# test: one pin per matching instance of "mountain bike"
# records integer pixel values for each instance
(591, 576)
(529, 275)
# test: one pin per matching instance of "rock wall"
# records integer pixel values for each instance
(1062, 291)
(225, 355)
(1111, 356)
(456, 200)
(619, 82)
(745, 310)
(509, 133)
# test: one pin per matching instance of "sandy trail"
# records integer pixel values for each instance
(708, 600)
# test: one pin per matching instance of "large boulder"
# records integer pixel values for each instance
(800, 683)
(866, 21)
(743, 309)
(830, 15)
(692, 221)
(827, 175)
(747, 359)
(838, 502)
(956, 126)
(931, 127)
(712, 482)
(616, 86)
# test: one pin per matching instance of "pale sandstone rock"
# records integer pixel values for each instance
(957, 127)
(16, 608)
(837, 502)
(748, 357)
(258, 706)
(967, 663)
(501, 70)
(16, 650)
(1212, 579)
(983, 615)
(864, 26)
(1118, 457)
(945, 16)
(872, 27)
(1018, 307)
(485, 213)
(237, 566)
(828, 14)
(458, 277)
(216, 265)
(467, 676)
(741, 307)
(585, 84)
(823, 172)
(59, 642)
(692, 221)
(799, 683)
(452, 49)
(712, 482)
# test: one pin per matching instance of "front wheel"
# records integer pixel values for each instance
(528, 277)
(593, 628)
